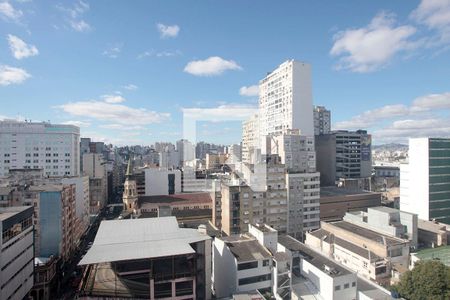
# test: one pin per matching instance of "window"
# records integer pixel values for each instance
(247, 265)
(337, 288)
(353, 284)
(346, 286)
(265, 263)
(254, 279)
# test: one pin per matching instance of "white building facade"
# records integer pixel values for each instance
(285, 99)
(162, 182)
(425, 180)
(52, 147)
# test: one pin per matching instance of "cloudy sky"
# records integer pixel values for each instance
(127, 72)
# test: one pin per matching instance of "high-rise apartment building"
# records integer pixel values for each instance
(302, 181)
(285, 99)
(250, 138)
(94, 167)
(55, 220)
(16, 252)
(52, 147)
(322, 120)
(343, 154)
(243, 204)
(425, 180)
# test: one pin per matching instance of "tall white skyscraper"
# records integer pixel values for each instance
(425, 180)
(52, 147)
(285, 99)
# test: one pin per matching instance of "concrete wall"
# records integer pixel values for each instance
(224, 270)
(157, 181)
(414, 179)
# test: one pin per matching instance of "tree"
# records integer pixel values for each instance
(430, 279)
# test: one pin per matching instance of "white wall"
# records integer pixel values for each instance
(325, 283)
(302, 113)
(414, 179)
(157, 181)
(224, 270)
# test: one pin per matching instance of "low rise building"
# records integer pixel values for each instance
(324, 276)
(251, 262)
(433, 234)
(147, 258)
(45, 285)
(336, 201)
(388, 221)
(16, 252)
(370, 253)
(184, 206)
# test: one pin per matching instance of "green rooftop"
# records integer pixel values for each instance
(442, 253)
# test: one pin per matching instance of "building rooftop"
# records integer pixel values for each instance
(8, 212)
(313, 257)
(431, 226)
(441, 253)
(327, 236)
(367, 233)
(120, 240)
(331, 191)
(246, 249)
(47, 188)
(184, 197)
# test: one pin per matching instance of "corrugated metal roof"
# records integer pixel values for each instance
(120, 240)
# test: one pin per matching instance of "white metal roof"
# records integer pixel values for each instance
(120, 240)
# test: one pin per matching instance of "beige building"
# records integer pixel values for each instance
(215, 161)
(250, 139)
(243, 202)
(433, 234)
(94, 167)
(372, 254)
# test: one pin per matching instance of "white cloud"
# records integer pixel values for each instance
(226, 112)
(113, 112)
(401, 130)
(20, 49)
(80, 25)
(152, 52)
(75, 14)
(249, 91)
(122, 127)
(432, 101)
(11, 75)
(168, 31)
(168, 53)
(369, 117)
(113, 98)
(435, 14)
(113, 52)
(77, 123)
(130, 87)
(211, 66)
(8, 12)
(370, 48)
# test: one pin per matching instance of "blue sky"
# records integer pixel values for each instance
(125, 70)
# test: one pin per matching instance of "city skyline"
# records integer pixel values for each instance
(126, 81)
